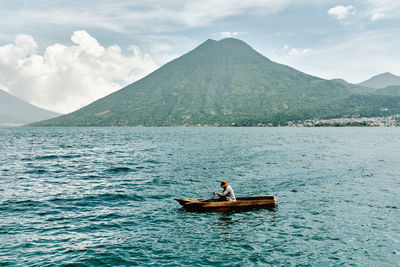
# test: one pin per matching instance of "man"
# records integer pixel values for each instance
(227, 193)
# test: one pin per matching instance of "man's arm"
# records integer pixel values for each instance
(224, 193)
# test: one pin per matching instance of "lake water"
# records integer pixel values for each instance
(93, 196)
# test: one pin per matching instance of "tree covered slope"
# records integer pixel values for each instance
(222, 82)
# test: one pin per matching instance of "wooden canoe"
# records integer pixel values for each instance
(241, 203)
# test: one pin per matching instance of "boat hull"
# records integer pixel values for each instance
(242, 203)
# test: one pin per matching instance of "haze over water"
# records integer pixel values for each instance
(105, 196)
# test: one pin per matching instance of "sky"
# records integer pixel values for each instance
(63, 55)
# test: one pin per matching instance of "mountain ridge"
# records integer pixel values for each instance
(381, 81)
(222, 82)
(14, 111)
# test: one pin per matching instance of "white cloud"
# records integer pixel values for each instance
(377, 16)
(296, 51)
(390, 6)
(230, 34)
(134, 16)
(24, 45)
(341, 12)
(377, 9)
(200, 13)
(65, 78)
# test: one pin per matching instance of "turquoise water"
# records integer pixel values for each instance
(93, 196)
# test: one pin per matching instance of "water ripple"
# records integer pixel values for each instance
(94, 196)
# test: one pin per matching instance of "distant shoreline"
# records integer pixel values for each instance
(389, 121)
(209, 126)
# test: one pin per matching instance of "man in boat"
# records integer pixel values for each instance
(227, 193)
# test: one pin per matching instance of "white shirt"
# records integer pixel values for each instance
(228, 193)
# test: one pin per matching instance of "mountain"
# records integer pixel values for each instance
(14, 111)
(381, 81)
(341, 81)
(222, 82)
(390, 90)
(358, 89)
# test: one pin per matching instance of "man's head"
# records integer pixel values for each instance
(224, 184)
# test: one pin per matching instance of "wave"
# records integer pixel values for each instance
(120, 169)
(38, 170)
(22, 205)
(52, 156)
(87, 200)
(152, 161)
(109, 216)
(46, 157)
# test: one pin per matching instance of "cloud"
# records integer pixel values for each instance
(377, 9)
(200, 13)
(230, 34)
(296, 51)
(157, 16)
(65, 78)
(377, 16)
(341, 12)
(383, 6)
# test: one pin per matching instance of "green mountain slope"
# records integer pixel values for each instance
(355, 88)
(219, 83)
(390, 90)
(381, 81)
(15, 111)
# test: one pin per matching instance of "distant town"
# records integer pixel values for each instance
(389, 121)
